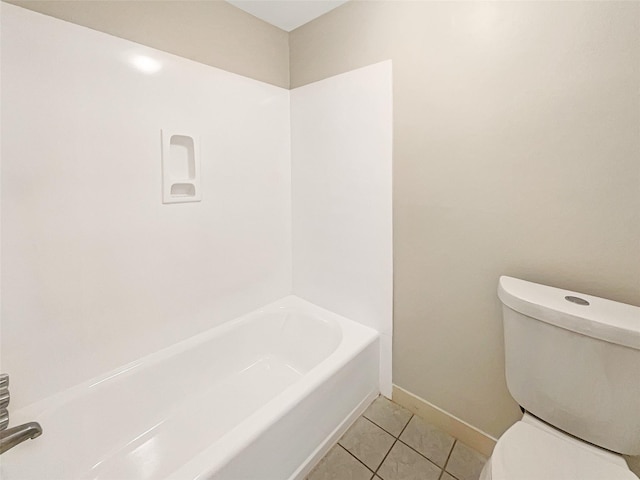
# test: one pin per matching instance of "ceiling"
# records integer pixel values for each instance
(287, 14)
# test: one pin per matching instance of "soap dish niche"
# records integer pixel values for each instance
(180, 167)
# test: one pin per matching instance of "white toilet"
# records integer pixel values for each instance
(573, 364)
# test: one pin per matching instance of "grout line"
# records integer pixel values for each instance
(364, 415)
(425, 457)
(444, 469)
(393, 445)
(359, 461)
(395, 440)
(381, 427)
(405, 427)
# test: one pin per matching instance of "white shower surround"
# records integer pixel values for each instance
(98, 273)
(341, 144)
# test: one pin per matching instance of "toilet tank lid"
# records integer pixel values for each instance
(603, 319)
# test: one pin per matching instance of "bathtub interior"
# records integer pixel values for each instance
(125, 423)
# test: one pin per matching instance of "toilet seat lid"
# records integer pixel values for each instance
(526, 452)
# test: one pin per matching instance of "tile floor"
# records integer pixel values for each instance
(389, 443)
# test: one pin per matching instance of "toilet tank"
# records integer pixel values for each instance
(573, 360)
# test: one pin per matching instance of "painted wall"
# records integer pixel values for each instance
(516, 147)
(211, 32)
(341, 142)
(96, 271)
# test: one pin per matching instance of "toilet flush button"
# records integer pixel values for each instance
(577, 300)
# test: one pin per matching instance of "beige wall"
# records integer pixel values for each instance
(516, 151)
(211, 32)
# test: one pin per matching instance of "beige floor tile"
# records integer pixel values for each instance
(388, 415)
(465, 463)
(403, 463)
(430, 441)
(368, 442)
(446, 476)
(338, 464)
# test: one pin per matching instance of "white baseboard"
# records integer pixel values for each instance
(467, 434)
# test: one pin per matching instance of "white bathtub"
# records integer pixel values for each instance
(261, 397)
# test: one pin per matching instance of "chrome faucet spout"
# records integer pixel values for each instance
(11, 437)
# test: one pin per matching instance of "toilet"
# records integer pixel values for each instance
(573, 364)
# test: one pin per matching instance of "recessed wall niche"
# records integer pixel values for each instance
(180, 168)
